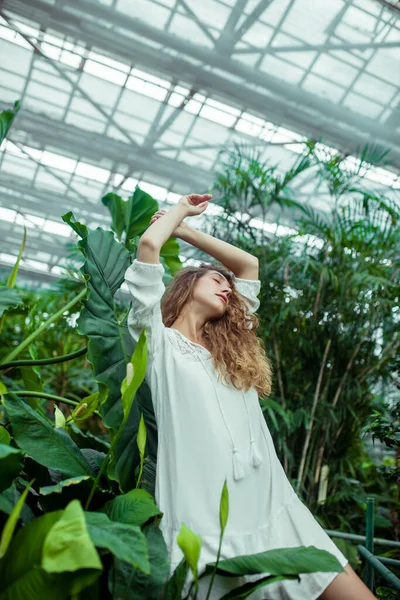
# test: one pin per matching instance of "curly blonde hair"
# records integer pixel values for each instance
(238, 354)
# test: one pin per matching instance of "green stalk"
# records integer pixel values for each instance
(44, 326)
(31, 394)
(215, 566)
(44, 361)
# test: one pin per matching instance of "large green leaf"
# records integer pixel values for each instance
(136, 507)
(110, 344)
(10, 465)
(248, 588)
(282, 561)
(22, 574)
(9, 298)
(132, 584)
(50, 447)
(54, 497)
(6, 119)
(125, 541)
(133, 217)
(68, 546)
(116, 206)
(169, 252)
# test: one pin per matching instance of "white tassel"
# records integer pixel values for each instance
(256, 458)
(238, 469)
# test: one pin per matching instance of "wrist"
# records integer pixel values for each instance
(187, 233)
(181, 209)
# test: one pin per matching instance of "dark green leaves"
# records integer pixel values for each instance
(10, 465)
(132, 216)
(51, 557)
(110, 345)
(50, 447)
(123, 540)
(136, 507)
(283, 561)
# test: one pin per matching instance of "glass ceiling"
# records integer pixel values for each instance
(120, 92)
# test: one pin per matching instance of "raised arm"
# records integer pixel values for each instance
(241, 263)
(164, 224)
(161, 229)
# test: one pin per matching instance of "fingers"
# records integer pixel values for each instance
(157, 214)
(199, 197)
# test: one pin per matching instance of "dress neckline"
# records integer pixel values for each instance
(190, 341)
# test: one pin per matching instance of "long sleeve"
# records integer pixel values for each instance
(249, 289)
(146, 287)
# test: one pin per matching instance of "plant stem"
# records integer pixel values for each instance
(44, 361)
(215, 566)
(31, 394)
(44, 326)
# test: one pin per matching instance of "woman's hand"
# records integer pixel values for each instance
(178, 231)
(195, 203)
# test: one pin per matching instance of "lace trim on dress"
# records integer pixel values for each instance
(185, 346)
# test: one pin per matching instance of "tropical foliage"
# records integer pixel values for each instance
(78, 438)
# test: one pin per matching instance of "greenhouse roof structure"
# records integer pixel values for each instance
(120, 92)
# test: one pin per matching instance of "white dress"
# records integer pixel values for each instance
(208, 431)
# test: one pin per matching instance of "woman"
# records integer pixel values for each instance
(206, 369)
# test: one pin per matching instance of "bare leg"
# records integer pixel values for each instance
(347, 586)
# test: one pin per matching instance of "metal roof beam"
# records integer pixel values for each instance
(271, 97)
(44, 131)
(317, 48)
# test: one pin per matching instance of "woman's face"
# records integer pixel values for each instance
(212, 291)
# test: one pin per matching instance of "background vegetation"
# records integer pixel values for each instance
(78, 439)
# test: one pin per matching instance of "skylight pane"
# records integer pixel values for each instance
(156, 191)
(114, 64)
(107, 73)
(6, 214)
(175, 99)
(57, 228)
(91, 172)
(212, 114)
(173, 198)
(130, 184)
(151, 78)
(50, 51)
(71, 59)
(224, 107)
(249, 128)
(51, 39)
(146, 88)
(58, 161)
(193, 107)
